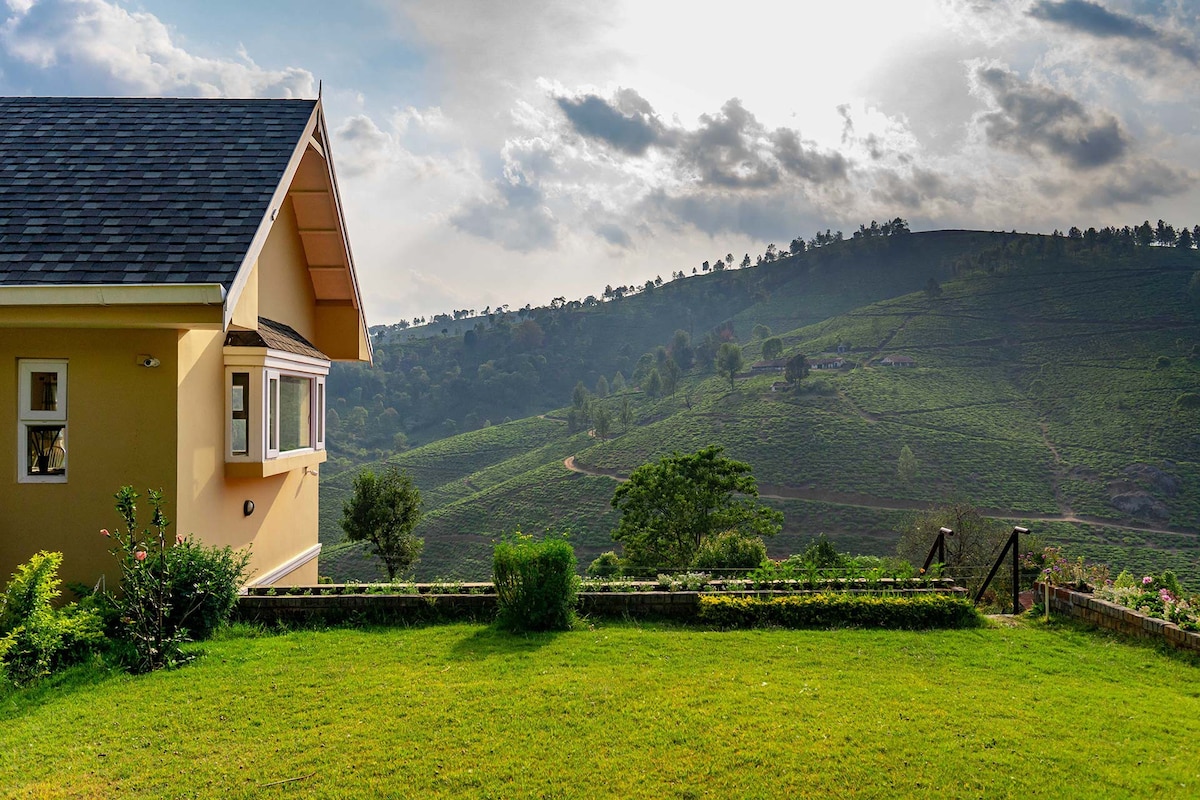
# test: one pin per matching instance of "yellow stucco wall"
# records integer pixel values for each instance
(121, 429)
(285, 292)
(284, 522)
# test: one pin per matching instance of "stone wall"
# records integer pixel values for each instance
(1113, 617)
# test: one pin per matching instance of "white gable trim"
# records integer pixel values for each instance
(264, 226)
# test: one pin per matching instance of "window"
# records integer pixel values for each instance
(295, 412)
(42, 421)
(275, 408)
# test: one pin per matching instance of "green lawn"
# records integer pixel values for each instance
(621, 710)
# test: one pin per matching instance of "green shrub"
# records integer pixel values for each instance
(730, 550)
(843, 610)
(605, 565)
(536, 584)
(203, 585)
(820, 553)
(36, 638)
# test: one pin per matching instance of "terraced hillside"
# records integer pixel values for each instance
(1048, 390)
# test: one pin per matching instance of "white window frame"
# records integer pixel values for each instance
(316, 416)
(28, 417)
(265, 367)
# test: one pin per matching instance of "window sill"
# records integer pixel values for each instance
(274, 466)
(42, 479)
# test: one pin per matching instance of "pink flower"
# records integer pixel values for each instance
(1146, 581)
(140, 555)
(179, 538)
(104, 532)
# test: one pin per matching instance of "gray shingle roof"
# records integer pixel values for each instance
(276, 336)
(137, 190)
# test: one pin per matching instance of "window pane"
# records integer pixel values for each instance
(273, 414)
(320, 411)
(240, 388)
(295, 414)
(43, 391)
(47, 450)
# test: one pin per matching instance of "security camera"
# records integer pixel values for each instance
(149, 361)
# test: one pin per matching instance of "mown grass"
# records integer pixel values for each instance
(620, 710)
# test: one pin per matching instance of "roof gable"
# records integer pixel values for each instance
(139, 190)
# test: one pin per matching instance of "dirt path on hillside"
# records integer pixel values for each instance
(1056, 475)
(859, 500)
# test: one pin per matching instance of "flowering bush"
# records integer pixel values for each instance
(144, 605)
(1160, 597)
(1057, 570)
(170, 593)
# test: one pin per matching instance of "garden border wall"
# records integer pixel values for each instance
(1117, 618)
(377, 608)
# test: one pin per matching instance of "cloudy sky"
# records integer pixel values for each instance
(508, 152)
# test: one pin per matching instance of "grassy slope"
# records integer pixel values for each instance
(1036, 390)
(621, 711)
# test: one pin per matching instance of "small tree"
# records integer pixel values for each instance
(796, 369)
(580, 395)
(654, 384)
(670, 374)
(772, 348)
(973, 547)
(729, 360)
(601, 422)
(670, 507)
(625, 414)
(383, 511)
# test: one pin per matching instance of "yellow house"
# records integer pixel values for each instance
(175, 280)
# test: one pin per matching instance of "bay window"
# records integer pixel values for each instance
(274, 411)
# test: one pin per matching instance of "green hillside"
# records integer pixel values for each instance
(516, 364)
(1047, 389)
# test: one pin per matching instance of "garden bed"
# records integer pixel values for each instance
(388, 604)
(1111, 616)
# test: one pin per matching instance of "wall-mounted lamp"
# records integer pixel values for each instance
(247, 508)
(148, 361)
(311, 471)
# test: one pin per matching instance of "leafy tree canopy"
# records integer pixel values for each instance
(670, 507)
(729, 361)
(383, 510)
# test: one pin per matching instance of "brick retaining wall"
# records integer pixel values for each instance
(1113, 617)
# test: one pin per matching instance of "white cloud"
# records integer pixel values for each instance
(132, 52)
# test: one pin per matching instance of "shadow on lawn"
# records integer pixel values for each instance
(494, 641)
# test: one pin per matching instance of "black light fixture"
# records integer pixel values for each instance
(248, 508)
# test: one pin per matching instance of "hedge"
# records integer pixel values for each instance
(839, 610)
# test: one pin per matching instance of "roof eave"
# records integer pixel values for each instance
(120, 294)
